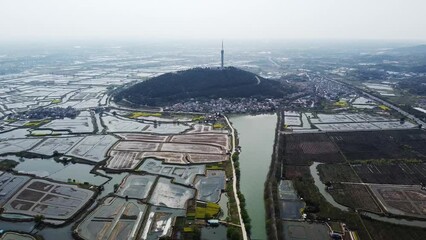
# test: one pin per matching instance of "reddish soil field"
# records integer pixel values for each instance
(302, 149)
(136, 146)
(402, 173)
(380, 144)
(214, 139)
(142, 137)
(291, 172)
(354, 196)
(206, 158)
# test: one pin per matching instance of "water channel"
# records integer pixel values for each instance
(256, 137)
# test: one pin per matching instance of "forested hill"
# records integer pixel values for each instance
(203, 84)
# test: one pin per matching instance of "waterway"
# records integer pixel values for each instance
(58, 171)
(256, 137)
(322, 188)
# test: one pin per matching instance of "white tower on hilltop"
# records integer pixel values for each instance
(221, 56)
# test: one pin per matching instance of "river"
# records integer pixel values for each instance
(256, 137)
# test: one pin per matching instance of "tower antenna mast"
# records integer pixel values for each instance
(222, 52)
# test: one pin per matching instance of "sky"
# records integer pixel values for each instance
(212, 19)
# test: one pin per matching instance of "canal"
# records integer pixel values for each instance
(256, 137)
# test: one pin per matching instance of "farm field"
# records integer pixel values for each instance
(398, 173)
(294, 230)
(290, 204)
(206, 158)
(210, 187)
(181, 174)
(10, 184)
(355, 196)
(115, 124)
(168, 157)
(142, 137)
(115, 218)
(81, 124)
(18, 145)
(373, 171)
(16, 236)
(60, 145)
(137, 146)
(121, 125)
(171, 195)
(52, 200)
(93, 148)
(176, 149)
(401, 200)
(376, 145)
(159, 222)
(136, 186)
(220, 140)
(123, 159)
(301, 149)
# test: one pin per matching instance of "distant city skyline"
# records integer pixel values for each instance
(24, 20)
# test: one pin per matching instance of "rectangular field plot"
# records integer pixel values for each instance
(93, 148)
(415, 139)
(330, 127)
(168, 157)
(210, 187)
(191, 148)
(394, 125)
(374, 145)
(206, 158)
(123, 160)
(9, 184)
(159, 222)
(331, 118)
(115, 218)
(220, 140)
(300, 149)
(290, 203)
(168, 128)
(171, 195)
(142, 137)
(115, 124)
(17, 145)
(181, 174)
(401, 173)
(295, 230)
(136, 186)
(137, 146)
(52, 145)
(355, 196)
(80, 124)
(199, 128)
(52, 200)
(401, 200)
(292, 121)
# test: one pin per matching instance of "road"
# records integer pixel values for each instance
(234, 181)
(258, 80)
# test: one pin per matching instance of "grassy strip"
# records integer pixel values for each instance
(135, 115)
(244, 213)
(35, 124)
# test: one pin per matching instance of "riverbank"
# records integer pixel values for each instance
(256, 138)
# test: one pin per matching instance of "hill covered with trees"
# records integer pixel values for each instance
(202, 84)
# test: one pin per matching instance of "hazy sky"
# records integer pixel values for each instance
(212, 19)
